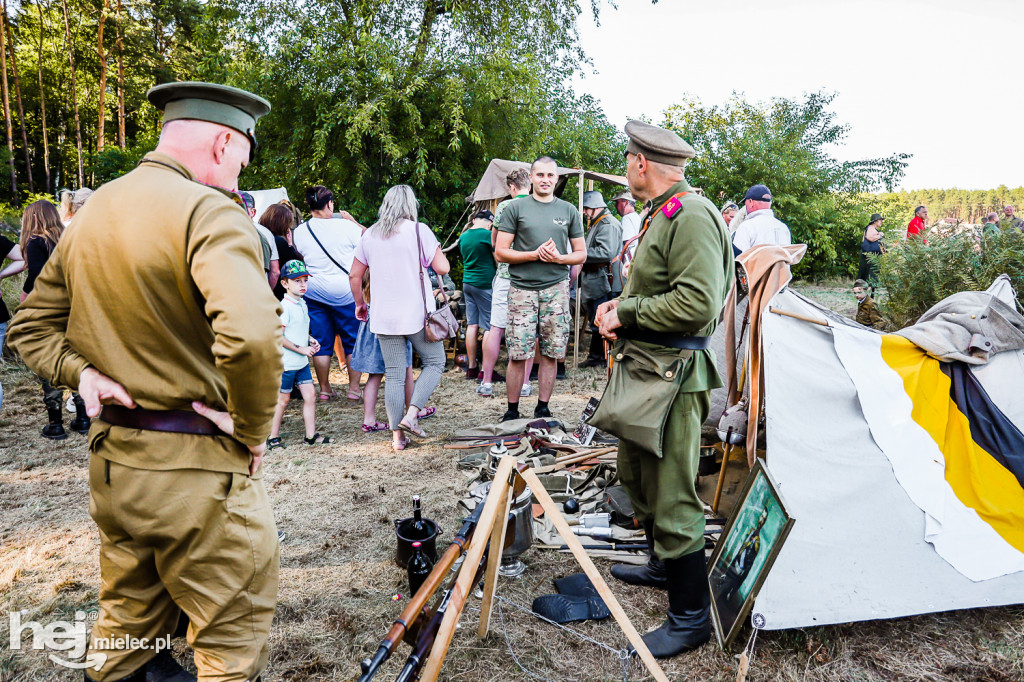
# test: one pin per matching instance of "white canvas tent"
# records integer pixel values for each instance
(266, 197)
(857, 550)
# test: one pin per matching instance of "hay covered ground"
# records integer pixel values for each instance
(337, 503)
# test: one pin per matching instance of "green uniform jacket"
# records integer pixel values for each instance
(1006, 223)
(604, 242)
(679, 278)
(160, 285)
(867, 313)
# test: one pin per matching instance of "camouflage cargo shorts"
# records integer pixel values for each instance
(531, 312)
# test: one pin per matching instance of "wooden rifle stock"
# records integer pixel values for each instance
(429, 633)
(419, 600)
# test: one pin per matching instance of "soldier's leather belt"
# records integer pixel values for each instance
(171, 421)
(666, 339)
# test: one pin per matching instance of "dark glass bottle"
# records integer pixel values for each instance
(419, 567)
(419, 530)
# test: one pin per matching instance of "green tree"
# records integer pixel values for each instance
(788, 145)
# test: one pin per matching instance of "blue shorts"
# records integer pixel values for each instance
(478, 306)
(327, 322)
(367, 357)
(295, 377)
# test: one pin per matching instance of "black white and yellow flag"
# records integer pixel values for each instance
(957, 455)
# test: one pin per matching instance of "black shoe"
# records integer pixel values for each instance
(473, 374)
(651, 574)
(540, 412)
(163, 668)
(160, 668)
(688, 624)
(593, 362)
(560, 373)
(533, 372)
(55, 429)
(510, 415)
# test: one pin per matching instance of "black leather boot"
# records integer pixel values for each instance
(689, 608)
(595, 357)
(55, 429)
(651, 574)
(81, 422)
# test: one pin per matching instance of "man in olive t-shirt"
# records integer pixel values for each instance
(540, 237)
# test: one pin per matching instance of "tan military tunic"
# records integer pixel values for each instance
(160, 286)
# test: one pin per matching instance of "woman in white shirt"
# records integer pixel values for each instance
(327, 245)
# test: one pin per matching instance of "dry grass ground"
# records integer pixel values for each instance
(337, 504)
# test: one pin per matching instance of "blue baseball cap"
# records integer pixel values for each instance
(758, 193)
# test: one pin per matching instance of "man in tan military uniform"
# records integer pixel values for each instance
(663, 375)
(156, 306)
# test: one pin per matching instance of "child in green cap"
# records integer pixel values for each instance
(299, 347)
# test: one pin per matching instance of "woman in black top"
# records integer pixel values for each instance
(41, 228)
(9, 251)
(279, 219)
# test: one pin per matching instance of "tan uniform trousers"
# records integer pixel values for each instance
(201, 542)
(664, 488)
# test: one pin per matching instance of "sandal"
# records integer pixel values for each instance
(398, 447)
(317, 439)
(418, 432)
(326, 397)
(358, 396)
(274, 443)
(376, 426)
(426, 413)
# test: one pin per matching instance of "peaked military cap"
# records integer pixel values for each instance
(211, 102)
(658, 144)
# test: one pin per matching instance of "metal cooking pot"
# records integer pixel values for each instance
(521, 531)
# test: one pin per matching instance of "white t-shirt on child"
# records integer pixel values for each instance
(295, 319)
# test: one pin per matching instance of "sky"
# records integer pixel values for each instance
(938, 79)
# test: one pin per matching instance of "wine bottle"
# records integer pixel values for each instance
(419, 567)
(420, 531)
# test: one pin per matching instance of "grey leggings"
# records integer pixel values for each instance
(393, 348)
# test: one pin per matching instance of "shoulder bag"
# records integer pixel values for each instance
(440, 324)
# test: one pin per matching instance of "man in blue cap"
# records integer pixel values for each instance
(760, 225)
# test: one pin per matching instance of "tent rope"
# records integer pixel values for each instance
(452, 231)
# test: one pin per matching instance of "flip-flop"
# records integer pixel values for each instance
(376, 426)
(426, 413)
(419, 433)
(358, 396)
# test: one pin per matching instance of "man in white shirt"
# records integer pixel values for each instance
(760, 226)
(266, 239)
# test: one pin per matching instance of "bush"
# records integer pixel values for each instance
(917, 276)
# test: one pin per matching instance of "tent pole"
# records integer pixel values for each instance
(576, 320)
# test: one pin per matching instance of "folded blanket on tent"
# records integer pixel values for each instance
(970, 326)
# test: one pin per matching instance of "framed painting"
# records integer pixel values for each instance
(745, 552)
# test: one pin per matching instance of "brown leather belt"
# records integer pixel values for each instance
(172, 421)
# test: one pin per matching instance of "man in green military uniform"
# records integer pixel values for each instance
(669, 306)
(600, 280)
(1010, 221)
(156, 307)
